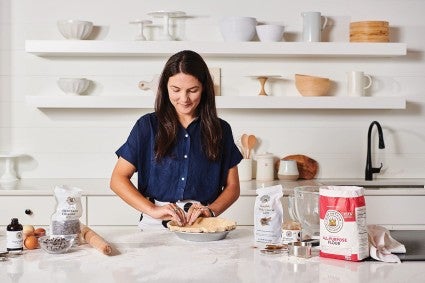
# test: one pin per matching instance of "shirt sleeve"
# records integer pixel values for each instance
(139, 136)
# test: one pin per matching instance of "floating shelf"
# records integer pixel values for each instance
(212, 49)
(224, 102)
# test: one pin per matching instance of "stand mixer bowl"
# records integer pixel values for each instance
(304, 207)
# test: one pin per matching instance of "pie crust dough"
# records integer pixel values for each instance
(204, 225)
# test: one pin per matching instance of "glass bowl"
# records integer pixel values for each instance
(56, 244)
(306, 208)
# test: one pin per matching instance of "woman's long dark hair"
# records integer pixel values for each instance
(191, 63)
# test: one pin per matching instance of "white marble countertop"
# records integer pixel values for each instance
(160, 256)
(99, 186)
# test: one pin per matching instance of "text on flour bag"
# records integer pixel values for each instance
(343, 228)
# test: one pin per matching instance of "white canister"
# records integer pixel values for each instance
(265, 167)
(245, 169)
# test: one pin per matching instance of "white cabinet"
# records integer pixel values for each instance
(110, 211)
(396, 211)
(242, 211)
(30, 209)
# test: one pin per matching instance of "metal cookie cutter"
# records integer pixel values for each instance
(300, 249)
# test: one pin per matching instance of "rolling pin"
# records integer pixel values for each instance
(94, 240)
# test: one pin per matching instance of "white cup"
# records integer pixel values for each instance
(358, 82)
(312, 26)
(288, 170)
(245, 169)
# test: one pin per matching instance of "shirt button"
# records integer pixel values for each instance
(182, 178)
(186, 135)
(185, 156)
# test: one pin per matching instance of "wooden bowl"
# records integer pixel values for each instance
(311, 85)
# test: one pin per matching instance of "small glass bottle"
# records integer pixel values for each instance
(15, 243)
(291, 231)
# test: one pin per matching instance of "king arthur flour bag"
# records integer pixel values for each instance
(343, 230)
(268, 215)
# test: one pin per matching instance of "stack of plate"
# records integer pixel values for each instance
(369, 31)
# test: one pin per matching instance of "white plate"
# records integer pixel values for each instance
(202, 237)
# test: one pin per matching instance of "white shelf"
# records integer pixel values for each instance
(223, 102)
(212, 49)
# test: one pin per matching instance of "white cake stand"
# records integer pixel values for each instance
(166, 15)
(9, 174)
(142, 23)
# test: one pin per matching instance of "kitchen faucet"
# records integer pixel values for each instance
(369, 168)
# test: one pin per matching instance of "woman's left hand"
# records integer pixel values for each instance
(196, 210)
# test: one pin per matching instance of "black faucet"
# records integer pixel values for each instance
(369, 168)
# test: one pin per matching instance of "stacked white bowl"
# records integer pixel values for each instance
(238, 29)
(75, 29)
(270, 32)
(73, 86)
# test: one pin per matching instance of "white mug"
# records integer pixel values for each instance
(358, 82)
(312, 26)
(288, 170)
(245, 169)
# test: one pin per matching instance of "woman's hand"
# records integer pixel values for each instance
(169, 212)
(196, 210)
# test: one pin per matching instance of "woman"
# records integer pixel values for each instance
(184, 155)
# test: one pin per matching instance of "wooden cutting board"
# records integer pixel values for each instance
(307, 167)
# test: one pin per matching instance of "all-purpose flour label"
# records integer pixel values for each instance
(343, 230)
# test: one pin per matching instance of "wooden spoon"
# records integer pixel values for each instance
(252, 141)
(244, 142)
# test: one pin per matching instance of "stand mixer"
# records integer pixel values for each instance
(304, 208)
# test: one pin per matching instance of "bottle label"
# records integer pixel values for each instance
(14, 240)
(290, 236)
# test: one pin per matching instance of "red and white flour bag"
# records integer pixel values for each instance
(343, 228)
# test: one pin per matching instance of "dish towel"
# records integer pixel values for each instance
(382, 245)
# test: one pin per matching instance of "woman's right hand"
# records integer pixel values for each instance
(169, 212)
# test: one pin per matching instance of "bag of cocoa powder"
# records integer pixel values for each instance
(343, 228)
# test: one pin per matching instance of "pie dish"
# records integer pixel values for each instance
(204, 225)
(204, 229)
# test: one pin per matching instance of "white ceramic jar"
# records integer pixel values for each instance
(265, 167)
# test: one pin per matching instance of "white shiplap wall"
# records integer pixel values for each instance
(81, 143)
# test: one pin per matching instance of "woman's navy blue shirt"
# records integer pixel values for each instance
(185, 174)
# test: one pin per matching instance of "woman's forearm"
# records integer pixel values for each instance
(230, 193)
(122, 186)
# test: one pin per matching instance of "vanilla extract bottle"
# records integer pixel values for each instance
(15, 243)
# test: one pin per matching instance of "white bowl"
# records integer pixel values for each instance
(238, 28)
(73, 86)
(74, 29)
(270, 33)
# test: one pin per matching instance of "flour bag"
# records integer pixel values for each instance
(66, 219)
(343, 228)
(268, 215)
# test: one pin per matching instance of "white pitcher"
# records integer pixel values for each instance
(312, 26)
